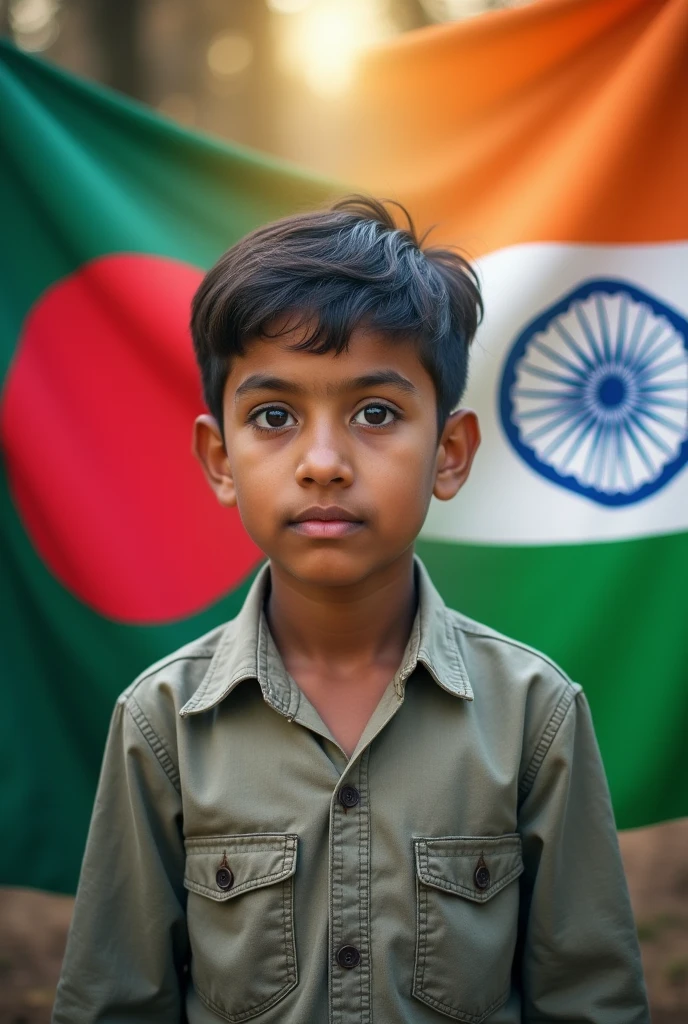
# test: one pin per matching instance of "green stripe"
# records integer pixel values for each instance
(614, 617)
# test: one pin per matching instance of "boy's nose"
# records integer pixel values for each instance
(323, 464)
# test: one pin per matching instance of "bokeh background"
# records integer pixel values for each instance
(266, 74)
(252, 71)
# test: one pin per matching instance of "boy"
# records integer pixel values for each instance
(349, 804)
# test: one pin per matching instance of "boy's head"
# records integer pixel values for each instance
(335, 270)
(332, 349)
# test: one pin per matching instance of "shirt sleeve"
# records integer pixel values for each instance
(580, 955)
(127, 946)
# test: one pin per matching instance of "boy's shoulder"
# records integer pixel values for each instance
(475, 640)
(508, 679)
(512, 678)
(514, 655)
(161, 690)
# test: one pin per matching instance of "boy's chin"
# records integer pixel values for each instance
(330, 567)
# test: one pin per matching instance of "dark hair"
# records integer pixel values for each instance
(334, 270)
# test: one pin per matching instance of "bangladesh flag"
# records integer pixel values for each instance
(552, 141)
(113, 550)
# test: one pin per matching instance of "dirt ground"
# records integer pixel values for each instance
(33, 927)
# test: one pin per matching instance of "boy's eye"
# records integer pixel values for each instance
(273, 418)
(375, 415)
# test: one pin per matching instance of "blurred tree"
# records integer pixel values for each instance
(116, 29)
(260, 72)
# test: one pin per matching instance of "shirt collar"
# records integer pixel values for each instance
(246, 650)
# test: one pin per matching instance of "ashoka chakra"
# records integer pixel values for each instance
(594, 394)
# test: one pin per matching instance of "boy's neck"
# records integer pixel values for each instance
(343, 628)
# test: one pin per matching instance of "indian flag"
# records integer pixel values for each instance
(551, 142)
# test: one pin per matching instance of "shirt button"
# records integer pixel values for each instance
(348, 956)
(224, 878)
(349, 796)
(482, 876)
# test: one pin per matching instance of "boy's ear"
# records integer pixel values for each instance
(209, 449)
(458, 445)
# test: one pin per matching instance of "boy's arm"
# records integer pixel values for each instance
(127, 944)
(581, 960)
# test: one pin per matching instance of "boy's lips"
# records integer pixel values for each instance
(326, 521)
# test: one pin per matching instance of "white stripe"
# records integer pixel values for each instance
(506, 501)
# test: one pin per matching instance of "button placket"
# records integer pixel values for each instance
(350, 991)
(350, 996)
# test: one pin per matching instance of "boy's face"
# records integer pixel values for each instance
(332, 459)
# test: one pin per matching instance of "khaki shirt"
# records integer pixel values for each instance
(462, 864)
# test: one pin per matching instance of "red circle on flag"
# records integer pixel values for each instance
(96, 423)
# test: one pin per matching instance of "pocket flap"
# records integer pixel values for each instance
(476, 867)
(223, 867)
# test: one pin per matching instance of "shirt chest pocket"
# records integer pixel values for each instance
(467, 923)
(240, 916)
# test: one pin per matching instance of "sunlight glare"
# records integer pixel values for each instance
(321, 43)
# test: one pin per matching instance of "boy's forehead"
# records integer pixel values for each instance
(369, 353)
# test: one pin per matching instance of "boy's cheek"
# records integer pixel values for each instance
(397, 483)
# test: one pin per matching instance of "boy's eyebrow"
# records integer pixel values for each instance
(266, 382)
(391, 378)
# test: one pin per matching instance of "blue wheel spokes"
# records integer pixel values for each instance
(611, 419)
